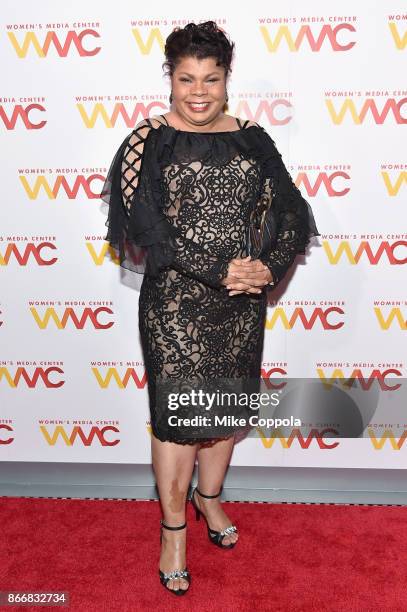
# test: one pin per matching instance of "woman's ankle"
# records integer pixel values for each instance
(208, 501)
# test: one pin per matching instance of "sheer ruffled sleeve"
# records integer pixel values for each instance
(290, 220)
(136, 226)
(146, 242)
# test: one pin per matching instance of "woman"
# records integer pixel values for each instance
(182, 186)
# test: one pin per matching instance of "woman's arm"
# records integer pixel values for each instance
(187, 256)
(282, 256)
(292, 213)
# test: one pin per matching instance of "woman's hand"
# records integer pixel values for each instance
(247, 276)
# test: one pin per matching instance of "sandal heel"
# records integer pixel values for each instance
(197, 514)
(215, 537)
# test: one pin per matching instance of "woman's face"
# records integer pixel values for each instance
(198, 90)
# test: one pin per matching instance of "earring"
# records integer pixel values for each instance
(227, 97)
(171, 97)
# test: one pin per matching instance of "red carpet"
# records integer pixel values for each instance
(289, 557)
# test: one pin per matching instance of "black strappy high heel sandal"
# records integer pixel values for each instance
(165, 578)
(215, 537)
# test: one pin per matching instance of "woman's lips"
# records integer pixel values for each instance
(198, 108)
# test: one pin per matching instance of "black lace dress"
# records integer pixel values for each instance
(179, 207)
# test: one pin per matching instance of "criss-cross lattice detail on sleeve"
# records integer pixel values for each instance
(132, 161)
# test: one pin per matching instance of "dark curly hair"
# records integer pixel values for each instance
(200, 40)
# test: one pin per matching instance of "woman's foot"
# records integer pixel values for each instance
(173, 553)
(216, 517)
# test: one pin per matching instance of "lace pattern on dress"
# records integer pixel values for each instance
(186, 199)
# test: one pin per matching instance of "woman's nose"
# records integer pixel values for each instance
(198, 89)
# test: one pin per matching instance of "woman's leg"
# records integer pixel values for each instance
(212, 464)
(173, 465)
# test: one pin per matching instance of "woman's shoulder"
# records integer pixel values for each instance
(136, 139)
(241, 122)
(143, 127)
(138, 135)
(246, 123)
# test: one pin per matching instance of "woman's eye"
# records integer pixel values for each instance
(185, 79)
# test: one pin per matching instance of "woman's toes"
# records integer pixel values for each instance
(229, 539)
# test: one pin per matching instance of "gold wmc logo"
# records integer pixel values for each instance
(61, 43)
(369, 108)
(312, 38)
(77, 317)
(77, 435)
(387, 440)
(315, 436)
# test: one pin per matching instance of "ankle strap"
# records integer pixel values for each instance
(208, 496)
(172, 528)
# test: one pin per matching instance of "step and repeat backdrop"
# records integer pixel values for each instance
(327, 81)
